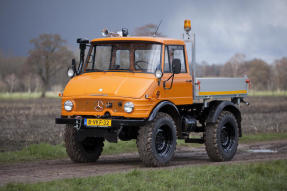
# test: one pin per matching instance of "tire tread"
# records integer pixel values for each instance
(144, 142)
(211, 140)
(74, 149)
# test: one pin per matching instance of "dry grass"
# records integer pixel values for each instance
(28, 121)
(264, 115)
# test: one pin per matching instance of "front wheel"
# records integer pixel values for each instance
(156, 141)
(87, 150)
(221, 138)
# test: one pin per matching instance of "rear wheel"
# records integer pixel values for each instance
(221, 138)
(87, 150)
(156, 141)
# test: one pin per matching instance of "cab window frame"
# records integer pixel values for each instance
(92, 53)
(166, 47)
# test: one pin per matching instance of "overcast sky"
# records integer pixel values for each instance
(256, 28)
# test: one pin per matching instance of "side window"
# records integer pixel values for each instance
(122, 60)
(177, 52)
(166, 62)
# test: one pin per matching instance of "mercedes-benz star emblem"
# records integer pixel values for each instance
(99, 105)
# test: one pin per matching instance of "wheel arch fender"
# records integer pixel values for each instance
(217, 107)
(169, 108)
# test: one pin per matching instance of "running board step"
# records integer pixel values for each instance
(194, 140)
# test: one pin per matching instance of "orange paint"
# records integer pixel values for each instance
(87, 89)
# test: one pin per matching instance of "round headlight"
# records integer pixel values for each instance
(68, 105)
(158, 74)
(129, 107)
(71, 73)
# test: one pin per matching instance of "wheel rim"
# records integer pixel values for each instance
(227, 137)
(163, 140)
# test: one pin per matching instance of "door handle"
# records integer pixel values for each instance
(188, 80)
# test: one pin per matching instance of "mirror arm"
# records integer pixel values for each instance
(74, 66)
(172, 77)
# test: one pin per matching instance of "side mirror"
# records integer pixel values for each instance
(72, 71)
(176, 66)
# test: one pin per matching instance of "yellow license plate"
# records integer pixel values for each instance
(98, 122)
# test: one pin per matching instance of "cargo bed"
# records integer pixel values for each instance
(206, 88)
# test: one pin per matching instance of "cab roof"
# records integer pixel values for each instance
(146, 39)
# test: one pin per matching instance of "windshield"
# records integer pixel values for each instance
(127, 56)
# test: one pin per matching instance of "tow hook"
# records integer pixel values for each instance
(239, 100)
(243, 101)
(78, 122)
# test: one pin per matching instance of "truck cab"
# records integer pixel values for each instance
(121, 70)
(142, 88)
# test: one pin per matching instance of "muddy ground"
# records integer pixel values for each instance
(23, 122)
(185, 156)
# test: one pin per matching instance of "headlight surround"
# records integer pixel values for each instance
(68, 105)
(129, 107)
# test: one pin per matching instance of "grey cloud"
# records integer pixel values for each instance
(256, 28)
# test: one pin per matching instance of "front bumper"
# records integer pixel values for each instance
(111, 133)
(116, 123)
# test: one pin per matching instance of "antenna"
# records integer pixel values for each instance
(157, 28)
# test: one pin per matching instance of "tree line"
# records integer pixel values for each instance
(263, 76)
(44, 69)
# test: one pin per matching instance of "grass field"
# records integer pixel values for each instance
(32, 95)
(32, 121)
(27, 95)
(267, 93)
(46, 151)
(28, 133)
(253, 176)
(26, 122)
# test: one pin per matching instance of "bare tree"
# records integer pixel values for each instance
(205, 69)
(11, 72)
(259, 72)
(3, 86)
(147, 30)
(233, 67)
(11, 81)
(281, 73)
(48, 56)
(28, 80)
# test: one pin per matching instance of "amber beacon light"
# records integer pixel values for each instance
(187, 25)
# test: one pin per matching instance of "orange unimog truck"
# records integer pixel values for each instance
(143, 88)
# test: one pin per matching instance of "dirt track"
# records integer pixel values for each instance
(57, 169)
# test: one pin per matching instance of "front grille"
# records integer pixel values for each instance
(98, 105)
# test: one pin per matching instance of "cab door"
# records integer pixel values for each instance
(180, 90)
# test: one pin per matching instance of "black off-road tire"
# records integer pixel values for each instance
(156, 141)
(88, 150)
(221, 138)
